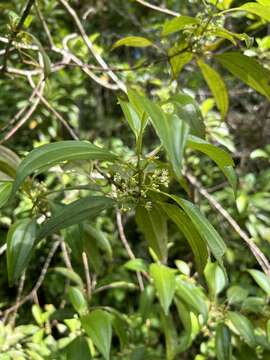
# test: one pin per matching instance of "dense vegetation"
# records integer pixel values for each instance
(134, 179)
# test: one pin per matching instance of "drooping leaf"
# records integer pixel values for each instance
(164, 282)
(146, 302)
(100, 237)
(20, 242)
(216, 281)
(170, 334)
(243, 327)
(179, 56)
(77, 349)
(45, 57)
(192, 296)
(223, 342)
(221, 157)
(261, 279)
(217, 87)
(187, 109)
(98, 326)
(204, 228)
(5, 191)
(171, 130)
(9, 162)
(133, 41)
(248, 70)
(74, 213)
(132, 117)
(186, 226)
(69, 274)
(153, 225)
(48, 155)
(78, 300)
(260, 10)
(177, 24)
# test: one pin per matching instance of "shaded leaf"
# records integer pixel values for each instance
(223, 343)
(74, 213)
(243, 327)
(49, 155)
(153, 225)
(20, 243)
(186, 226)
(261, 279)
(164, 282)
(9, 162)
(248, 70)
(70, 274)
(98, 326)
(78, 349)
(5, 191)
(217, 87)
(78, 300)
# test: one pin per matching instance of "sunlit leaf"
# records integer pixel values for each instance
(133, 41)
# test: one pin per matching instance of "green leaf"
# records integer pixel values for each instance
(100, 238)
(153, 224)
(171, 130)
(74, 213)
(187, 109)
(217, 87)
(78, 300)
(20, 242)
(70, 274)
(243, 327)
(192, 296)
(204, 228)
(221, 157)
(77, 349)
(248, 70)
(45, 57)
(177, 24)
(164, 282)
(134, 41)
(268, 330)
(9, 162)
(5, 191)
(215, 278)
(260, 10)
(185, 225)
(236, 294)
(132, 117)
(146, 302)
(261, 279)
(223, 343)
(136, 265)
(171, 337)
(48, 155)
(98, 325)
(179, 56)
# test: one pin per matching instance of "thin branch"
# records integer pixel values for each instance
(258, 254)
(66, 256)
(127, 246)
(90, 46)
(38, 283)
(40, 87)
(18, 28)
(87, 275)
(19, 295)
(45, 26)
(158, 8)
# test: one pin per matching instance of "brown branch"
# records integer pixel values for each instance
(45, 26)
(87, 275)
(127, 246)
(90, 45)
(158, 8)
(19, 295)
(258, 254)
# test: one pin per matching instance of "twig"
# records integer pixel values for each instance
(126, 245)
(56, 113)
(66, 257)
(19, 295)
(45, 26)
(87, 275)
(158, 8)
(15, 32)
(90, 46)
(38, 283)
(39, 87)
(260, 257)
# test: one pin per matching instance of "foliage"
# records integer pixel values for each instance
(106, 198)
